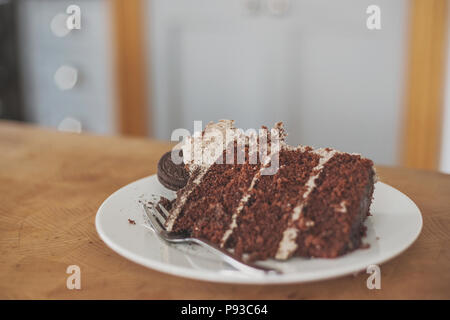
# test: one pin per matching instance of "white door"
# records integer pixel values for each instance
(312, 64)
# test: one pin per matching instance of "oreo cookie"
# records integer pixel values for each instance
(170, 175)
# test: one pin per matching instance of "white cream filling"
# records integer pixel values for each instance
(246, 196)
(342, 207)
(288, 243)
(242, 202)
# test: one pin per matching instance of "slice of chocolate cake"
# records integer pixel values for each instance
(313, 205)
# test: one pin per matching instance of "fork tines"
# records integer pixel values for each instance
(162, 211)
(155, 222)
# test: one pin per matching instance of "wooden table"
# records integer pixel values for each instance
(51, 185)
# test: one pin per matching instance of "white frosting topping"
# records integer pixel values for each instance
(203, 149)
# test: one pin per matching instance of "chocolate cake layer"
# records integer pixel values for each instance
(266, 215)
(209, 207)
(331, 221)
(313, 206)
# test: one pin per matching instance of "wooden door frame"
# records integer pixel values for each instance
(425, 83)
(131, 58)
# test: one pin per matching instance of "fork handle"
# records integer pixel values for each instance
(232, 260)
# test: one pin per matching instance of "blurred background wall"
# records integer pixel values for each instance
(146, 67)
(314, 65)
(67, 74)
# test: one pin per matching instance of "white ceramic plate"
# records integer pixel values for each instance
(394, 225)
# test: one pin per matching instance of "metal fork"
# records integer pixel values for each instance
(157, 222)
